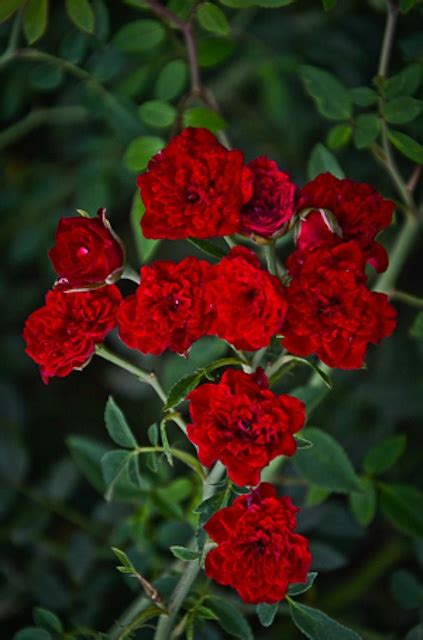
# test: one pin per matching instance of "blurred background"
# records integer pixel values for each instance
(68, 115)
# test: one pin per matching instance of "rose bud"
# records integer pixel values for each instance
(268, 214)
(87, 254)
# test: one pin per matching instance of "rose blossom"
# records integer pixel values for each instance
(360, 212)
(258, 553)
(194, 188)
(87, 253)
(331, 312)
(168, 309)
(61, 335)
(249, 302)
(273, 203)
(240, 422)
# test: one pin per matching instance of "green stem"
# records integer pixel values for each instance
(144, 376)
(38, 117)
(166, 623)
(270, 253)
(352, 589)
(68, 67)
(408, 298)
(406, 238)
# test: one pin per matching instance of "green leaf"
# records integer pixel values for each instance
(406, 145)
(301, 587)
(32, 633)
(402, 110)
(316, 495)
(339, 136)
(316, 625)
(326, 464)
(157, 113)
(182, 388)
(331, 96)
(87, 454)
(407, 5)
(123, 558)
(189, 460)
(205, 613)
(35, 19)
(404, 83)
(184, 553)
(153, 434)
(141, 150)
(203, 117)
(8, 8)
(406, 590)
(312, 396)
(328, 4)
(213, 50)
(211, 18)
(117, 426)
(403, 505)
(145, 246)
(230, 619)
(416, 329)
(384, 454)
(208, 247)
(320, 372)
(47, 620)
(266, 613)
(302, 443)
(133, 471)
(322, 160)
(363, 504)
(171, 80)
(416, 633)
(139, 35)
(81, 14)
(245, 4)
(366, 130)
(114, 465)
(363, 96)
(271, 4)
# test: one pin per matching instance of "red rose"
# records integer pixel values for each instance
(330, 310)
(61, 336)
(168, 310)
(273, 203)
(249, 302)
(240, 422)
(258, 553)
(194, 188)
(87, 253)
(359, 210)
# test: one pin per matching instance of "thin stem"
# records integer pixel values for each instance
(108, 98)
(408, 298)
(398, 256)
(270, 253)
(186, 30)
(144, 376)
(166, 623)
(38, 117)
(388, 38)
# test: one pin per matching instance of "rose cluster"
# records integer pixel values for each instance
(178, 303)
(319, 304)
